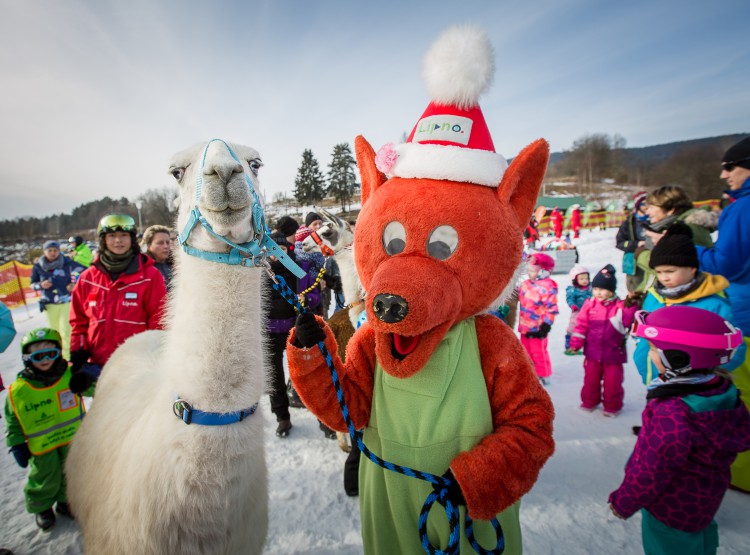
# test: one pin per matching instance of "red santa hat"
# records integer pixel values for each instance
(451, 141)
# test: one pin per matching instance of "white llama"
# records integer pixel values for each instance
(140, 479)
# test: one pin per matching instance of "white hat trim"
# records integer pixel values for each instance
(451, 163)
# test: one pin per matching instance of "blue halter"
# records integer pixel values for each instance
(253, 253)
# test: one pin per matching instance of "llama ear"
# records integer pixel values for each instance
(522, 180)
(372, 178)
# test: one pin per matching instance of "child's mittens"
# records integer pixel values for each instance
(544, 330)
(576, 343)
(574, 308)
(22, 454)
(634, 298)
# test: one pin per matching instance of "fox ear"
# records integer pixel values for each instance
(372, 178)
(522, 180)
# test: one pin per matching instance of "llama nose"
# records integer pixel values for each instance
(390, 308)
(224, 169)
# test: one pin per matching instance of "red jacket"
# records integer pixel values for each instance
(104, 313)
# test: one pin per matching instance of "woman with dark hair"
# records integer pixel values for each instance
(665, 206)
(119, 295)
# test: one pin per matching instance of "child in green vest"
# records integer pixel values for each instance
(42, 413)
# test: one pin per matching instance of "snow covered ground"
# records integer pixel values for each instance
(565, 513)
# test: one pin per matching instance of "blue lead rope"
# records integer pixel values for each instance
(441, 495)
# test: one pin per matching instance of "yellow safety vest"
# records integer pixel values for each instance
(49, 416)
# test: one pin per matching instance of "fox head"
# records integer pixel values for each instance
(431, 253)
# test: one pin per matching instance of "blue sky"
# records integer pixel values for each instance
(97, 95)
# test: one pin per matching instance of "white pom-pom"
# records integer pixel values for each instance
(459, 66)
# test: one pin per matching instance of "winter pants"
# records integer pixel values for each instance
(741, 465)
(611, 375)
(276, 381)
(46, 484)
(58, 318)
(537, 351)
(660, 539)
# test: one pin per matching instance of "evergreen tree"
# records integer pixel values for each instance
(309, 185)
(342, 178)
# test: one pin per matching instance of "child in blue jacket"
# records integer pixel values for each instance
(575, 295)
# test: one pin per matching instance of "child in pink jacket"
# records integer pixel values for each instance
(537, 303)
(601, 330)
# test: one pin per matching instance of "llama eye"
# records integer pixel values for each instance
(442, 242)
(255, 165)
(177, 173)
(394, 238)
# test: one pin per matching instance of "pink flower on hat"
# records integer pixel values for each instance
(386, 158)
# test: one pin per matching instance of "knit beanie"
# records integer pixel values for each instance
(605, 279)
(676, 248)
(302, 234)
(51, 245)
(739, 154)
(311, 217)
(279, 238)
(638, 200)
(287, 225)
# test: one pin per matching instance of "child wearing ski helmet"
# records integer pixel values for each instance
(42, 413)
(537, 302)
(674, 260)
(601, 329)
(694, 424)
(575, 295)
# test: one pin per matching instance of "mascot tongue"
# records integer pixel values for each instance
(405, 345)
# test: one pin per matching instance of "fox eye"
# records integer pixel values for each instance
(442, 242)
(394, 238)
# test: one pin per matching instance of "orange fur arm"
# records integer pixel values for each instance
(504, 466)
(312, 378)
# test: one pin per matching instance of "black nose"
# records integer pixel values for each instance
(390, 308)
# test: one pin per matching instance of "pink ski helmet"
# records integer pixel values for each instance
(706, 338)
(543, 261)
(577, 270)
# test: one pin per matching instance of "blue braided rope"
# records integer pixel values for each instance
(441, 496)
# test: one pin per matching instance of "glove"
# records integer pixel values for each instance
(576, 343)
(78, 359)
(634, 299)
(308, 331)
(544, 330)
(22, 454)
(83, 379)
(574, 308)
(454, 490)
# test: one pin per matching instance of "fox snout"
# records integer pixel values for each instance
(390, 308)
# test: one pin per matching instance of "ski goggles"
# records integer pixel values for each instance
(729, 166)
(44, 354)
(730, 340)
(116, 222)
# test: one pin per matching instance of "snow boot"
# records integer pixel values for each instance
(45, 520)
(283, 428)
(63, 509)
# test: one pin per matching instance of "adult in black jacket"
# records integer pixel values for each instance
(630, 236)
(280, 319)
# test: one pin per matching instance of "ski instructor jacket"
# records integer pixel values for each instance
(106, 312)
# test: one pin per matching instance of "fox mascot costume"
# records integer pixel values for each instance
(435, 384)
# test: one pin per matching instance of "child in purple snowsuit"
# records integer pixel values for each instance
(537, 303)
(694, 424)
(601, 329)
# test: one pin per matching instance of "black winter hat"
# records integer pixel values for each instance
(739, 154)
(311, 217)
(676, 248)
(287, 225)
(605, 279)
(279, 238)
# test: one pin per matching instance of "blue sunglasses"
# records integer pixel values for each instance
(44, 354)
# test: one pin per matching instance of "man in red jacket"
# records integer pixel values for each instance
(120, 294)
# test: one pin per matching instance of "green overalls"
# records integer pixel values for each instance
(423, 422)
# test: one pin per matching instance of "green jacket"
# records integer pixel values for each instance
(83, 255)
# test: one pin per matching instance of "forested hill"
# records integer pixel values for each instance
(658, 153)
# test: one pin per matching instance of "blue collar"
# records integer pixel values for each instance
(741, 192)
(185, 412)
(253, 253)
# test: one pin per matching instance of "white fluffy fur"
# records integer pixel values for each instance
(453, 163)
(139, 479)
(459, 66)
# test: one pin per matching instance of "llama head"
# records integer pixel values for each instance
(225, 199)
(335, 233)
